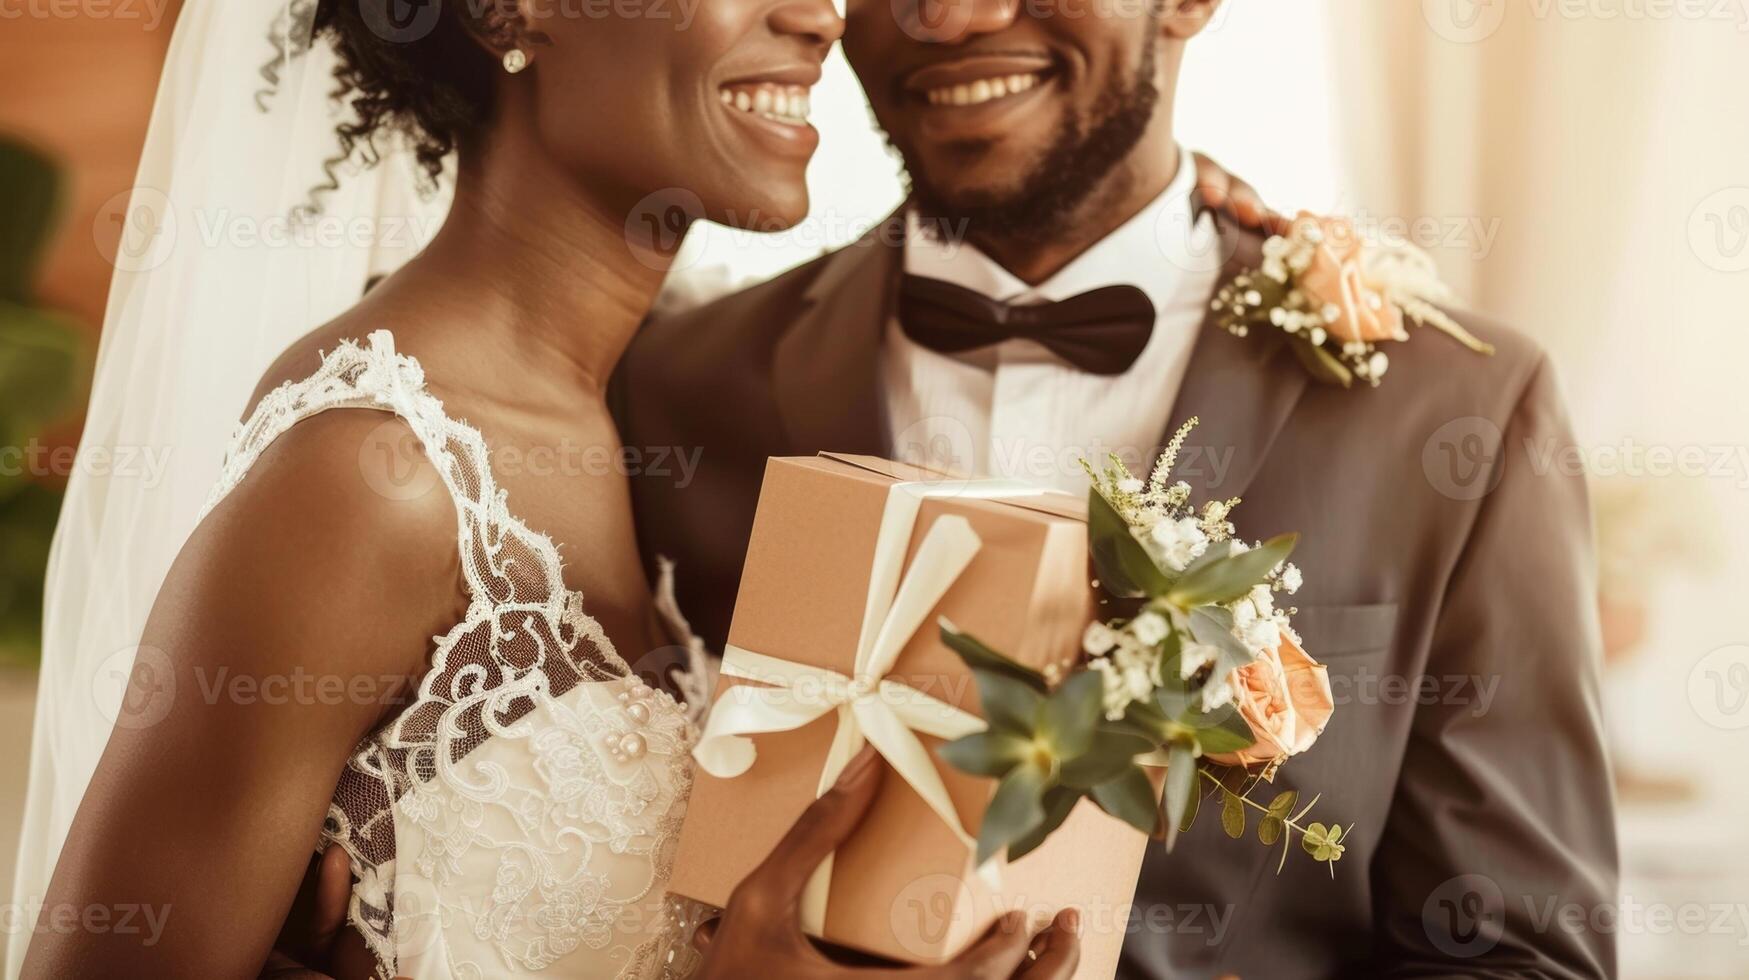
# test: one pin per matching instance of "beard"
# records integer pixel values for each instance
(1083, 154)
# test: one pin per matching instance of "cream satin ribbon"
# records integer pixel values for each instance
(871, 708)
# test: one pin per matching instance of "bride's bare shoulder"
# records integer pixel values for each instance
(343, 513)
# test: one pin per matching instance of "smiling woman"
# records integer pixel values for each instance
(394, 525)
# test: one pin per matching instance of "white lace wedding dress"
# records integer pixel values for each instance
(519, 815)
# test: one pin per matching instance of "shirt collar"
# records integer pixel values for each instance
(1151, 251)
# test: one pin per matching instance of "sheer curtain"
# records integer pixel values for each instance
(1600, 148)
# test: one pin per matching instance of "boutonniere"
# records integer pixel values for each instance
(1337, 298)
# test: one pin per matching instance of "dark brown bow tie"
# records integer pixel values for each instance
(1100, 332)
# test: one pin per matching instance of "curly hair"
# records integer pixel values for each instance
(424, 77)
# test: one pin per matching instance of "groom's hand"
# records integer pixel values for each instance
(760, 932)
(1236, 198)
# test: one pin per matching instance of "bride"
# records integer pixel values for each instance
(385, 589)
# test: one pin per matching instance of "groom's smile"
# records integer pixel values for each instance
(978, 96)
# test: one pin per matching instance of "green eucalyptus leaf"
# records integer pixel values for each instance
(1230, 578)
(1233, 815)
(1283, 804)
(1220, 731)
(981, 657)
(1130, 798)
(1016, 810)
(1213, 625)
(1125, 568)
(1191, 807)
(1171, 656)
(1010, 706)
(1072, 713)
(986, 753)
(1180, 785)
(1059, 802)
(1142, 720)
(1110, 753)
(1173, 698)
(1270, 829)
(1324, 366)
(1216, 551)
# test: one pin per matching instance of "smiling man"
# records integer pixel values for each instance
(1044, 295)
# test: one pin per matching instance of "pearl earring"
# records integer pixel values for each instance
(515, 60)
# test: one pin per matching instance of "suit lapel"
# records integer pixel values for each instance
(825, 368)
(1241, 388)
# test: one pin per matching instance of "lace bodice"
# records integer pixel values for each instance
(519, 815)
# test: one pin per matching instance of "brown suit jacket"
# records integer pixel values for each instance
(1449, 588)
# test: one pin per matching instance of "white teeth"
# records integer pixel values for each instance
(981, 91)
(785, 104)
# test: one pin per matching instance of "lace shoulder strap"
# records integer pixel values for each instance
(503, 560)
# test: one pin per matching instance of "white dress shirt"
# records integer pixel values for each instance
(1017, 411)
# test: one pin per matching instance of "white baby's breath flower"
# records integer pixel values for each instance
(1217, 692)
(1130, 485)
(1150, 628)
(1180, 542)
(1262, 598)
(1261, 635)
(1195, 657)
(1114, 697)
(1099, 639)
(1290, 578)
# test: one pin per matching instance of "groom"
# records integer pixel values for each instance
(1448, 582)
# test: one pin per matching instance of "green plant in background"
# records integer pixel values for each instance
(41, 360)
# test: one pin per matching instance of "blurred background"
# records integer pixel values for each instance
(1577, 167)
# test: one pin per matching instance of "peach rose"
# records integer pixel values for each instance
(1285, 697)
(1336, 278)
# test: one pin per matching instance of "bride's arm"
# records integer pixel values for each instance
(298, 609)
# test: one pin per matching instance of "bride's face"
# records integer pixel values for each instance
(703, 102)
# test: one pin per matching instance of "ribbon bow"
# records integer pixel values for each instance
(885, 713)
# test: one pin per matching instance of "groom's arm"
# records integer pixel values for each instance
(1499, 857)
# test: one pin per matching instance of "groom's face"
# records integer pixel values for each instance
(1001, 106)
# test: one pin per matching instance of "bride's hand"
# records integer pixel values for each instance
(1228, 193)
(760, 932)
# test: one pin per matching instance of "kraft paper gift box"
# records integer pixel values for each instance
(904, 887)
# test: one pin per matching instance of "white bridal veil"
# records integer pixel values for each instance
(220, 267)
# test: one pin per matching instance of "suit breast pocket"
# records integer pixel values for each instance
(1354, 643)
(1334, 632)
